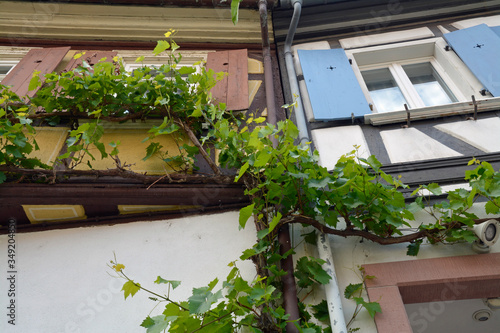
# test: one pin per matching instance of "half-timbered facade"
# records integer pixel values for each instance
(414, 83)
(68, 230)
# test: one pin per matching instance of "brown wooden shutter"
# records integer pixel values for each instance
(43, 60)
(233, 89)
(91, 57)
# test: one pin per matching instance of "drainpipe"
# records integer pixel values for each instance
(268, 69)
(290, 303)
(292, 76)
(333, 296)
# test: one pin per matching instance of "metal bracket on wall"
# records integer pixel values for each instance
(475, 107)
(407, 116)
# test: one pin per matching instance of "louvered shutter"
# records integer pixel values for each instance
(43, 60)
(479, 49)
(233, 89)
(331, 84)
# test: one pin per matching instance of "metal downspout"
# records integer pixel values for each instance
(292, 76)
(289, 288)
(268, 68)
(332, 291)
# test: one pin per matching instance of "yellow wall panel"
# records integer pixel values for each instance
(255, 66)
(44, 213)
(133, 209)
(50, 140)
(132, 150)
(253, 87)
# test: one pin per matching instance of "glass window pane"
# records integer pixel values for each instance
(429, 85)
(384, 91)
(4, 69)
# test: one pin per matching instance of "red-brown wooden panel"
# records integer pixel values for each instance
(43, 60)
(237, 86)
(219, 62)
(91, 57)
(233, 89)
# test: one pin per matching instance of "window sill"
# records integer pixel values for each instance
(433, 112)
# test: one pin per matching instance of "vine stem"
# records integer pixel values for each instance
(153, 293)
(197, 143)
(353, 232)
(211, 322)
(172, 178)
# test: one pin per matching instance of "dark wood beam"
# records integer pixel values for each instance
(117, 194)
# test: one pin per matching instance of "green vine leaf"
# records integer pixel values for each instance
(245, 214)
(35, 81)
(235, 7)
(276, 219)
(130, 288)
(161, 46)
(492, 207)
(148, 322)
(371, 307)
(156, 324)
(414, 248)
(242, 171)
(173, 283)
(152, 149)
(352, 289)
(320, 311)
(202, 299)
(309, 270)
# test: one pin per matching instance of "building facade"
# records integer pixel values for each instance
(394, 79)
(415, 84)
(67, 232)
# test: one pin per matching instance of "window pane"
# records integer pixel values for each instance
(383, 90)
(429, 84)
(4, 69)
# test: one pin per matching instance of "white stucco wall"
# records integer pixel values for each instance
(63, 283)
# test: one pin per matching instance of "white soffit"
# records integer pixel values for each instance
(483, 134)
(334, 142)
(385, 38)
(63, 21)
(409, 144)
(491, 21)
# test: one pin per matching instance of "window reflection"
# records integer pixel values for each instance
(428, 84)
(384, 91)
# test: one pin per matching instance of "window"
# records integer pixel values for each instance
(431, 76)
(419, 74)
(6, 67)
(416, 84)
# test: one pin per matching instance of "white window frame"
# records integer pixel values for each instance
(11, 63)
(194, 59)
(459, 79)
(10, 56)
(189, 58)
(412, 97)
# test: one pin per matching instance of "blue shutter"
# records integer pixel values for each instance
(333, 88)
(496, 30)
(479, 49)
